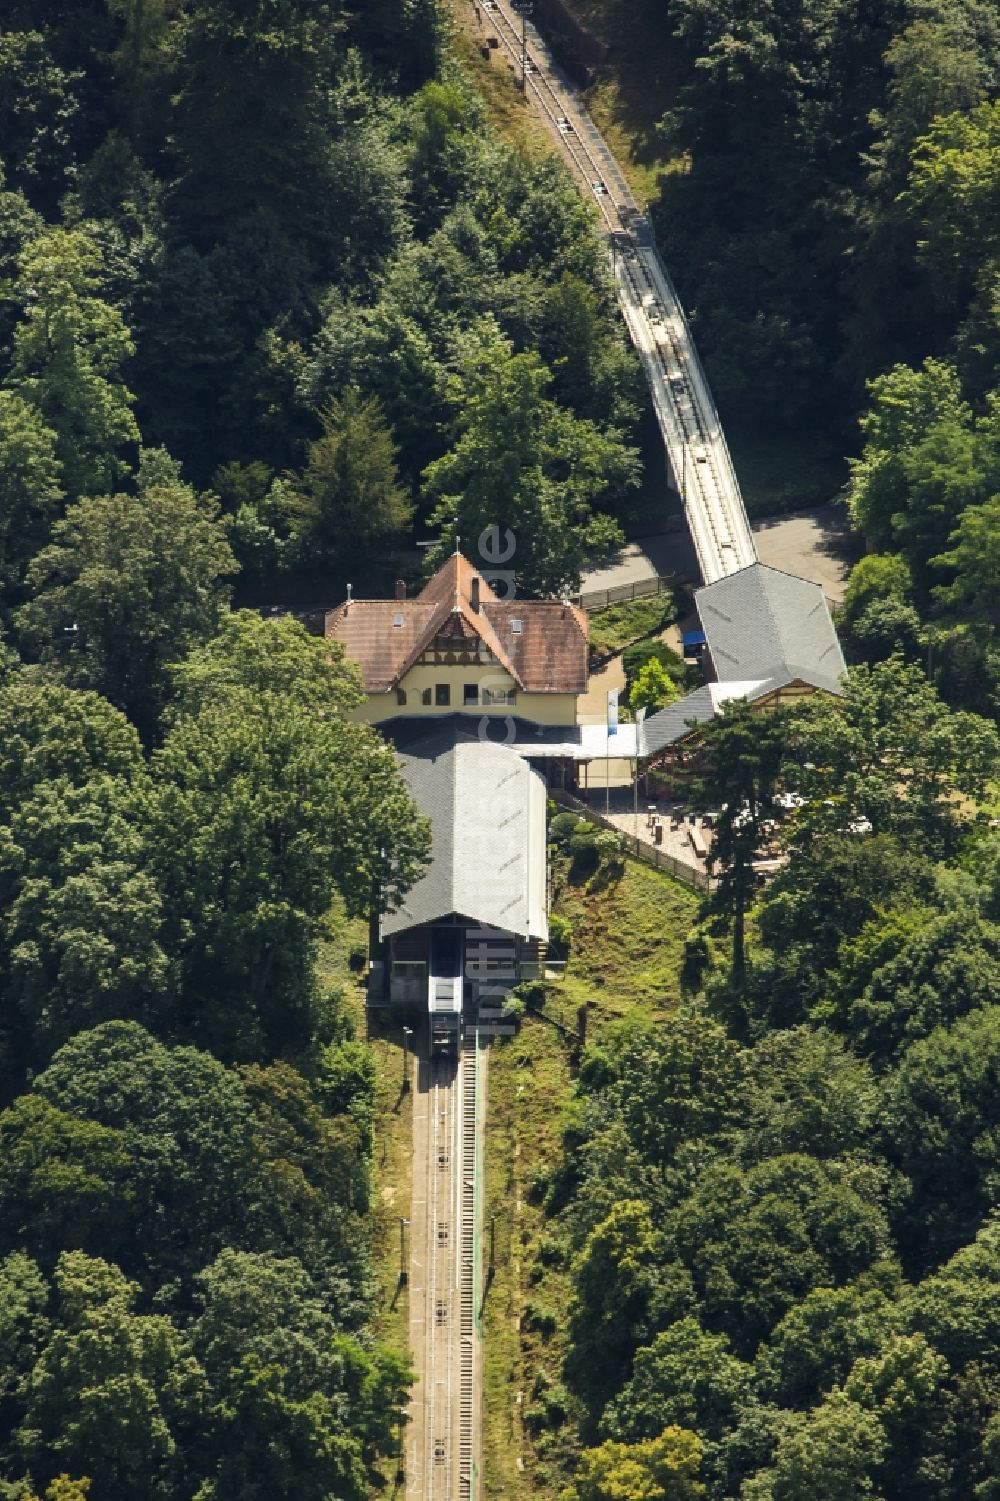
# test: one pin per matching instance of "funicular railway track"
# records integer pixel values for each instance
(443, 1437)
(685, 410)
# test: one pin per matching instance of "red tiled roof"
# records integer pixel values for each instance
(547, 655)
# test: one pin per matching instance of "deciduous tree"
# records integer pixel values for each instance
(523, 464)
(128, 584)
(69, 350)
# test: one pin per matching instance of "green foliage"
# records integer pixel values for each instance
(56, 734)
(529, 467)
(653, 688)
(664, 1468)
(738, 779)
(757, 1243)
(562, 828)
(293, 1400)
(30, 491)
(911, 972)
(67, 359)
(891, 755)
(814, 1347)
(808, 1094)
(127, 585)
(974, 557)
(953, 189)
(349, 498)
(828, 1454)
(635, 657)
(61, 1180)
(274, 659)
(630, 622)
(875, 578)
(249, 864)
(685, 1378)
(80, 931)
(941, 1124)
(615, 1278)
(958, 1306)
(38, 103)
(560, 935)
(114, 1392)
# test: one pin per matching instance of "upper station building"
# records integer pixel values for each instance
(481, 696)
(453, 676)
(456, 648)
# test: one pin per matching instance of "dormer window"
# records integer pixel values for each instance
(517, 626)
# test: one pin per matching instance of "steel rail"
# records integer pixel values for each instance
(692, 434)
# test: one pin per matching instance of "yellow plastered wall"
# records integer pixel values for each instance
(540, 708)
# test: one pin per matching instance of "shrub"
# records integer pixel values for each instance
(636, 657)
(560, 934)
(584, 848)
(562, 829)
(539, 1318)
(610, 851)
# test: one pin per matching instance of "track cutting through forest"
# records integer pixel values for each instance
(443, 1458)
(692, 434)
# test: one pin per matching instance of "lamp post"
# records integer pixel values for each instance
(407, 1034)
(403, 1274)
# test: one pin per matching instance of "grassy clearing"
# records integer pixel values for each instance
(628, 942)
(638, 87)
(506, 109)
(628, 939)
(529, 1082)
(613, 629)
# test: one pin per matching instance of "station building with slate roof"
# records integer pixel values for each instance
(473, 691)
(480, 697)
(456, 647)
(769, 639)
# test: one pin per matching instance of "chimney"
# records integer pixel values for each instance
(349, 588)
(474, 593)
(400, 588)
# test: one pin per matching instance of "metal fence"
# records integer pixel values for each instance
(691, 875)
(593, 600)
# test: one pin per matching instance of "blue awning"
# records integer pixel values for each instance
(693, 638)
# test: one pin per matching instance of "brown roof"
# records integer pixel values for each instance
(547, 655)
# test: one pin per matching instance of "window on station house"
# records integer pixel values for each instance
(425, 696)
(442, 695)
(401, 695)
(470, 693)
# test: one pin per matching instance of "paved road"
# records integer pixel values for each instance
(816, 544)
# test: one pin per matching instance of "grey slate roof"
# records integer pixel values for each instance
(661, 729)
(764, 629)
(656, 731)
(487, 811)
(763, 624)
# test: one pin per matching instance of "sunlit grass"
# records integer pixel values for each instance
(613, 629)
(627, 949)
